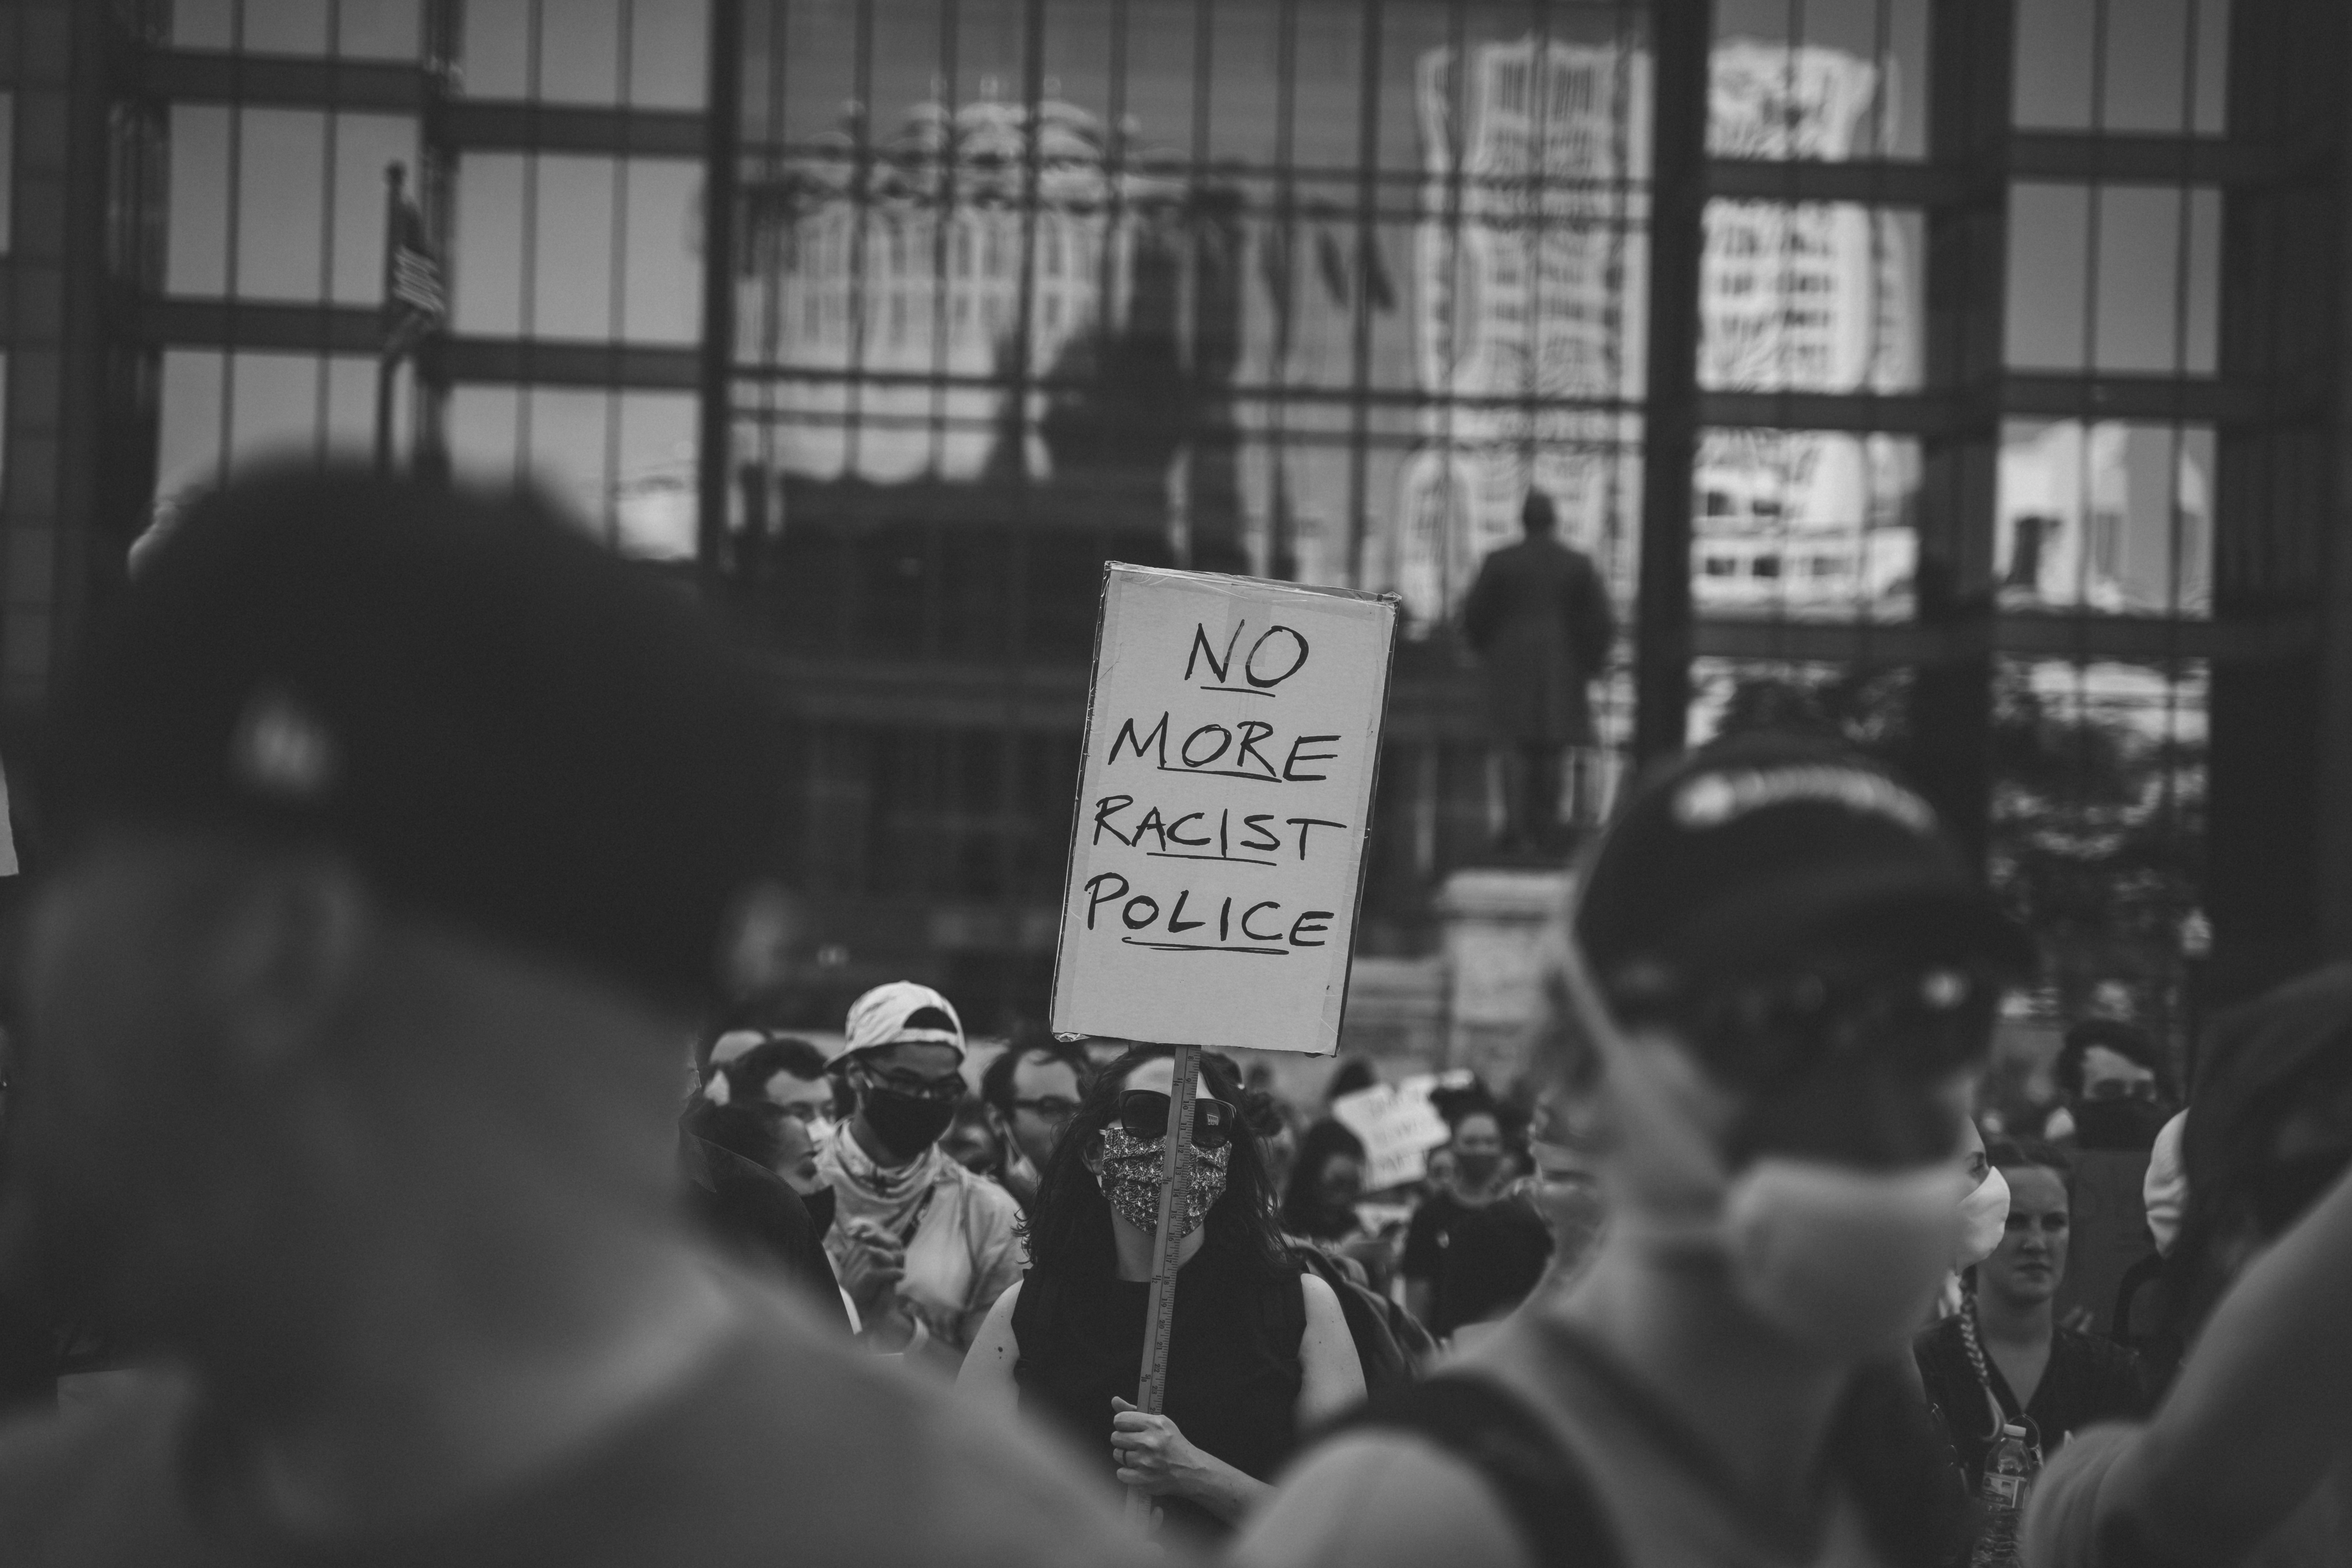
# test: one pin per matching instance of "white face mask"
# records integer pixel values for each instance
(1842, 1259)
(1984, 1216)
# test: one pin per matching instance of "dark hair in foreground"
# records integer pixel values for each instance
(1070, 1227)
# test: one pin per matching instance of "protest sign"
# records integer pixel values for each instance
(1398, 1126)
(1233, 733)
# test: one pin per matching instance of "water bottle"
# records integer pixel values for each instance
(2009, 1479)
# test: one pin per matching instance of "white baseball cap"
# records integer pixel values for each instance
(888, 1015)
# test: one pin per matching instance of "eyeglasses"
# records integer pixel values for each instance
(1143, 1113)
(918, 1087)
(1052, 1107)
(1930, 1022)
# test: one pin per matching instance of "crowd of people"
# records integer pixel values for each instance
(401, 846)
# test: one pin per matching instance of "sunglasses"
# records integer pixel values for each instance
(1143, 1113)
(1928, 1022)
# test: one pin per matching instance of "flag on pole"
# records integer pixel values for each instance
(414, 301)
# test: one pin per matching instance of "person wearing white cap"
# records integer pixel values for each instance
(923, 1246)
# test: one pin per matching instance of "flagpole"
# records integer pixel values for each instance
(387, 364)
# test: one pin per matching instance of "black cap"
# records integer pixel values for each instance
(501, 722)
(1752, 854)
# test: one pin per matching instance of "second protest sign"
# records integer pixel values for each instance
(1232, 735)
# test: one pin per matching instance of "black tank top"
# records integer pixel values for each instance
(1233, 1371)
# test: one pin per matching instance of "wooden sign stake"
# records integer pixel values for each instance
(1160, 1309)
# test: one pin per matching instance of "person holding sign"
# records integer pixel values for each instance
(1777, 989)
(1260, 1350)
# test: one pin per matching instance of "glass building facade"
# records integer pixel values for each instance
(1968, 377)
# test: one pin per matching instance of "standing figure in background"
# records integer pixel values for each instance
(1477, 1248)
(2112, 1074)
(1032, 1090)
(1258, 1351)
(1538, 617)
(2003, 1357)
(922, 1245)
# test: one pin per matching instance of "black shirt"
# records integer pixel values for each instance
(1234, 1368)
(2088, 1379)
(755, 1213)
(1482, 1259)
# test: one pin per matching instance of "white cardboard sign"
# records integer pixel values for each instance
(1398, 1125)
(1224, 795)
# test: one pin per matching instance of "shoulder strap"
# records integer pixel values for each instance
(1539, 1483)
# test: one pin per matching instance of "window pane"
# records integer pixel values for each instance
(1812, 296)
(275, 405)
(654, 510)
(1820, 78)
(364, 145)
(670, 53)
(2146, 315)
(2122, 65)
(2113, 519)
(497, 45)
(580, 52)
(487, 255)
(2099, 830)
(572, 271)
(380, 29)
(663, 298)
(280, 206)
(1804, 524)
(197, 254)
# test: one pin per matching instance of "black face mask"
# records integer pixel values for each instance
(2125, 1125)
(819, 1205)
(907, 1123)
(1477, 1169)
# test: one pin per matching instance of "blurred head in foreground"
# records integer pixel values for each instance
(1779, 984)
(403, 830)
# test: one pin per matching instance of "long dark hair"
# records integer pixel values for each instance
(1303, 1213)
(1069, 1227)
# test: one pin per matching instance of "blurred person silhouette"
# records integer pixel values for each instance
(2004, 1357)
(2111, 1084)
(1033, 1089)
(2116, 1100)
(923, 1246)
(1777, 985)
(396, 834)
(785, 1083)
(1327, 1180)
(971, 1140)
(729, 1157)
(1539, 620)
(1258, 1350)
(1477, 1246)
(2248, 1457)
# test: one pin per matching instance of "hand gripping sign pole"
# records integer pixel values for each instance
(1217, 853)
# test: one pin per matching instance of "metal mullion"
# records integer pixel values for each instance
(234, 241)
(526, 306)
(946, 191)
(327, 235)
(1033, 86)
(1367, 158)
(1531, 238)
(1281, 553)
(617, 279)
(767, 392)
(861, 196)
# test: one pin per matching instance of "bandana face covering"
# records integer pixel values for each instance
(1130, 1178)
